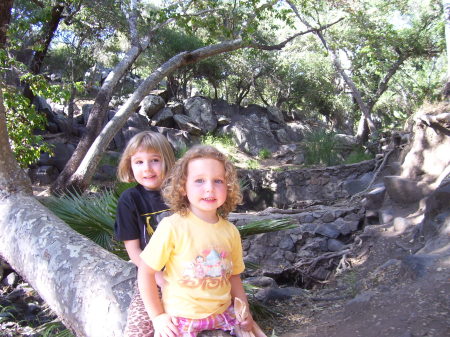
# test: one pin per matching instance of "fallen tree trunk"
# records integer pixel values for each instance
(86, 286)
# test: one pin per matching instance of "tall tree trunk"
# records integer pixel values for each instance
(365, 109)
(49, 30)
(12, 178)
(446, 5)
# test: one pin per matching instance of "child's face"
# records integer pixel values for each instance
(206, 187)
(147, 169)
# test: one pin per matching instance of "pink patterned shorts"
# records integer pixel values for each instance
(189, 327)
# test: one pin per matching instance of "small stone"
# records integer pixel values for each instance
(11, 280)
(335, 245)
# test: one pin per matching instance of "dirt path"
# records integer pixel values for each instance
(392, 290)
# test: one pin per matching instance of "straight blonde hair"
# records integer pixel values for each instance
(174, 187)
(145, 141)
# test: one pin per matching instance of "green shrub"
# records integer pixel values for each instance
(224, 142)
(320, 148)
(264, 154)
(22, 121)
(252, 164)
(358, 155)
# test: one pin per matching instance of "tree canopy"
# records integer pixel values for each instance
(350, 63)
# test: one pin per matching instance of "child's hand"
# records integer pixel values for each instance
(247, 323)
(165, 326)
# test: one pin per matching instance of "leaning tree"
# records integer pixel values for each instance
(229, 28)
(88, 287)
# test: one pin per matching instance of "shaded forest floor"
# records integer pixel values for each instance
(389, 291)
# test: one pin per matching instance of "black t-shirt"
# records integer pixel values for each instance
(138, 213)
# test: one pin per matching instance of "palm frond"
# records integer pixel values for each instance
(91, 216)
(265, 226)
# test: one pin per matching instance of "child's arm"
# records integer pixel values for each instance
(237, 290)
(163, 324)
(133, 248)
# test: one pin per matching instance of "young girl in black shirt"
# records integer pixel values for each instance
(147, 159)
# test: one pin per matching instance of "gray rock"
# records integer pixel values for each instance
(327, 230)
(11, 280)
(417, 264)
(438, 203)
(163, 117)
(150, 105)
(386, 216)
(137, 121)
(43, 175)
(374, 199)
(187, 124)
(353, 186)
(346, 142)
(335, 245)
(261, 281)
(405, 191)
(61, 155)
(252, 133)
(278, 294)
(401, 224)
(328, 217)
(177, 108)
(345, 227)
(223, 120)
(296, 131)
(275, 115)
(200, 111)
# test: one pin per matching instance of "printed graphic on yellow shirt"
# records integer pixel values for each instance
(208, 270)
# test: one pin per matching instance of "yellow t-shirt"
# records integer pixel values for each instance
(199, 258)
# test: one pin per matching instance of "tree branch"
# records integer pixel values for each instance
(283, 44)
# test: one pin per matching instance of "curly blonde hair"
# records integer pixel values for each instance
(174, 188)
(145, 141)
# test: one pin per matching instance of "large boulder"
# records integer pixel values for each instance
(427, 156)
(186, 123)
(150, 105)
(199, 109)
(437, 213)
(252, 131)
(221, 107)
(405, 191)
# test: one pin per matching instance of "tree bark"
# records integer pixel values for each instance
(446, 7)
(12, 178)
(86, 286)
(48, 31)
(96, 118)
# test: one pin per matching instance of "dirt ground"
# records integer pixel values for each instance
(391, 289)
